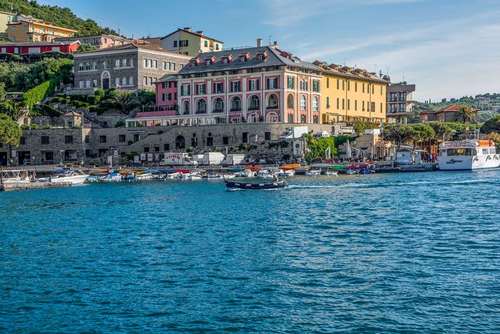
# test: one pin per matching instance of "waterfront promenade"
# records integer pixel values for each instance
(378, 253)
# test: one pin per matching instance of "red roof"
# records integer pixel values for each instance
(452, 108)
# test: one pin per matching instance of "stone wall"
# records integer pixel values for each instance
(95, 145)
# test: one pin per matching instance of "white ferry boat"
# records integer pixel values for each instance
(468, 155)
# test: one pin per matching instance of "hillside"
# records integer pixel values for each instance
(60, 16)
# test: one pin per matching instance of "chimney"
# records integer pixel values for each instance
(275, 44)
(200, 32)
(187, 28)
(259, 42)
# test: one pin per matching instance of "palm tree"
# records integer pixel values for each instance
(467, 114)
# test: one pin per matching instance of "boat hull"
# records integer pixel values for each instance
(256, 185)
(469, 162)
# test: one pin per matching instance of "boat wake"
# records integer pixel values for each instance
(394, 184)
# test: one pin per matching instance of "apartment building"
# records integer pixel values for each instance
(132, 66)
(28, 29)
(352, 94)
(400, 102)
(188, 42)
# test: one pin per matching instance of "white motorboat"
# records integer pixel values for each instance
(313, 172)
(468, 155)
(72, 177)
(331, 173)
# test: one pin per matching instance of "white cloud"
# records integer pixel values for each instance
(283, 13)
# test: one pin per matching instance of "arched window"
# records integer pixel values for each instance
(201, 106)
(303, 103)
(315, 105)
(289, 102)
(272, 101)
(186, 108)
(254, 103)
(218, 105)
(180, 143)
(236, 104)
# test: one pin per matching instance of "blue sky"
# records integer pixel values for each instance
(449, 48)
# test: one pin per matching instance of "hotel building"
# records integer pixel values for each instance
(261, 84)
(352, 94)
(28, 29)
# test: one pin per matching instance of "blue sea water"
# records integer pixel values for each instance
(412, 253)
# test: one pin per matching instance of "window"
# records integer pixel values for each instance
(218, 88)
(130, 81)
(356, 86)
(327, 82)
(218, 105)
(225, 140)
(185, 90)
(253, 84)
(200, 89)
(348, 104)
(206, 44)
(175, 44)
(343, 104)
(186, 107)
(68, 139)
(315, 104)
(363, 106)
(290, 82)
(348, 85)
(356, 105)
(137, 137)
(338, 103)
(201, 106)
(290, 102)
(236, 104)
(316, 119)
(254, 103)
(122, 138)
(302, 119)
(235, 86)
(272, 83)
(327, 102)
(166, 147)
(244, 137)
(303, 85)
(290, 118)
(45, 140)
(272, 101)
(267, 136)
(102, 139)
(117, 82)
(303, 103)
(338, 84)
(316, 86)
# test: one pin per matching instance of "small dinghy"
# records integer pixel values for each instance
(257, 184)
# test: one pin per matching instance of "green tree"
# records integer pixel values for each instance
(492, 125)
(422, 133)
(318, 147)
(10, 133)
(398, 133)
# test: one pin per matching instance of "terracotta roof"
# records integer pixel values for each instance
(193, 33)
(349, 72)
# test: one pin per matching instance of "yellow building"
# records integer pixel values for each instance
(28, 29)
(350, 94)
(5, 18)
(191, 43)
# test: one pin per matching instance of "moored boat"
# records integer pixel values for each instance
(468, 155)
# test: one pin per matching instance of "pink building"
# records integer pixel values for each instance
(166, 93)
(263, 84)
